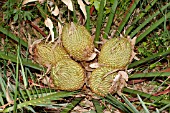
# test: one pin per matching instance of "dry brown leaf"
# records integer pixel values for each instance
(87, 2)
(56, 11)
(94, 65)
(133, 56)
(110, 73)
(59, 29)
(69, 4)
(96, 50)
(107, 111)
(31, 47)
(133, 41)
(119, 82)
(8, 98)
(117, 111)
(27, 1)
(29, 40)
(92, 56)
(46, 80)
(50, 3)
(83, 8)
(87, 103)
(136, 81)
(41, 1)
(49, 24)
(166, 70)
(162, 92)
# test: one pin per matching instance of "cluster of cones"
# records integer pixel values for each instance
(77, 46)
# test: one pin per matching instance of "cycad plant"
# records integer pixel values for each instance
(27, 82)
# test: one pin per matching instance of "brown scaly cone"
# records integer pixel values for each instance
(67, 75)
(48, 54)
(78, 42)
(116, 53)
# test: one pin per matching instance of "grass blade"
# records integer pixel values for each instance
(157, 111)
(99, 21)
(148, 7)
(74, 14)
(130, 104)
(12, 36)
(1, 99)
(23, 74)
(16, 82)
(148, 20)
(3, 84)
(97, 106)
(25, 62)
(117, 104)
(42, 12)
(152, 27)
(167, 106)
(143, 104)
(148, 59)
(45, 100)
(36, 93)
(110, 20)
(121, 26)
(88, 18)
(30, 108)
(158, 99)
(71, 105)
(152, 74)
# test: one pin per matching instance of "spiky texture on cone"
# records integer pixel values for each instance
(101, 80)
(116, 53)
(77, 41)
(68, 75)
(46, 54)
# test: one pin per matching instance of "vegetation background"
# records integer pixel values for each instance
(22, 86)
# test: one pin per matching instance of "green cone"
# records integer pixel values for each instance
(115, 53)
(77, 41)
(68, 75)
(46, 54)
(101, 81)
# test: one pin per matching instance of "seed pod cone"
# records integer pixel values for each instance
(101, 80)
(46, 54)
(77, 41)
(68, 75)
(116, 53)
